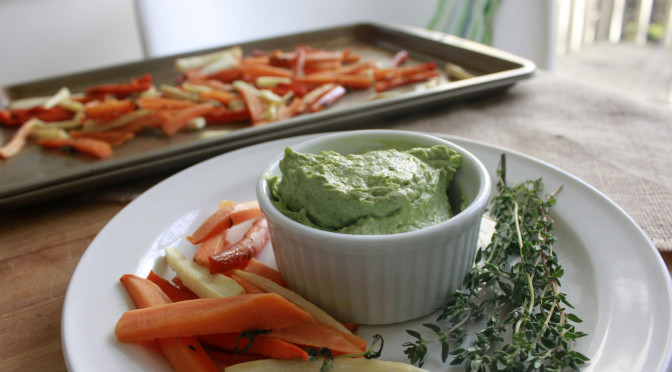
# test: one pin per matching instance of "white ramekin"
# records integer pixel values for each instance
(379, 279)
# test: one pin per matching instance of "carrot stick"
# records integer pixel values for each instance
(328, 99)
(271, 347)
(225, 217)
(253, 71)
(236, 256)
(384, 85)
(163, 103)
(14, 146)
(97, 148)
(109, 109)
(253, 102)
(114, 138)
(296, 107)
(182, 117)
(209, 315)
(210, 246)
(220, 96)
(173, 292)
(272, 287)
(387, 73)
(298, 89)
(298, 63)
(231, 359)
(137, 125)
(225, 76)
(257, 267)
(316, 335)
(122, 90)
(222, 115)
(184, 353)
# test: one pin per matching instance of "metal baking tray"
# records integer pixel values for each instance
(36, 175)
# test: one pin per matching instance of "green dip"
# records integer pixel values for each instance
(372, 193)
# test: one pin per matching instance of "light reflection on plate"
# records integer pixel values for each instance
(614, 276)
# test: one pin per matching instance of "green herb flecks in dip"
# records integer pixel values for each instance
(375, 192)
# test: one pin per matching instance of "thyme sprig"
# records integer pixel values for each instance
(512, 293)
(325, 353)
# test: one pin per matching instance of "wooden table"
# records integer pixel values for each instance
(41, 245)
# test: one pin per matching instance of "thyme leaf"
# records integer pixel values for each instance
(512, 294)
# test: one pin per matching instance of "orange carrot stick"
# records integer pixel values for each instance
(163, 103)
(328, 99)
(271, 347)
(14, 146)
(114, 138)
(253, 102)
(257, 267)
(184, 353)
(181, 118)
(210, 246)
(224, 218)
(122, 90)
(383, 85)
(231, 359)
(237, 255)
(391, 72)
(108, 109)
(296, 107)
(317, 335)
(220, 96)
(209, 315)
(97, 148)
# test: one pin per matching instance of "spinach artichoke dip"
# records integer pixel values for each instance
(371, 193)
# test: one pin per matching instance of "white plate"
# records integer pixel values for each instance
(614, 276)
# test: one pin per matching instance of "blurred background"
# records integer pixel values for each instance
(619, 44)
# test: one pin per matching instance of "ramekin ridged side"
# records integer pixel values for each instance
(379, 279)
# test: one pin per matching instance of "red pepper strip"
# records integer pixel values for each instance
(20, 116)
(384, 85)
(9, 118)
(328, 99)
(400, 58)
(222, 115)
(174, 293)
(239, 254)
(120, 91)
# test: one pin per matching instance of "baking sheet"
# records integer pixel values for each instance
(36, 175)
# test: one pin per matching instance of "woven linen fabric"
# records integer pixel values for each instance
(619, 144)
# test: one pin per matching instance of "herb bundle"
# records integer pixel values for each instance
(512, 292)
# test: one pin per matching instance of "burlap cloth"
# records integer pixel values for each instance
(619, 144)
